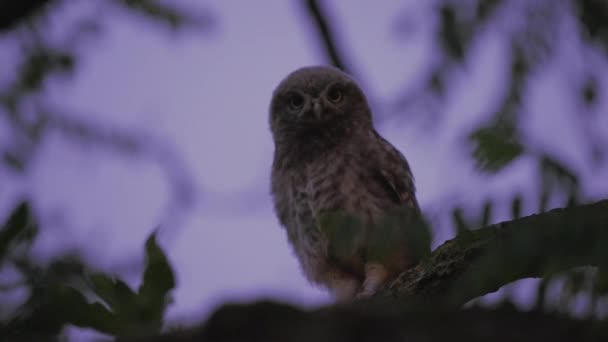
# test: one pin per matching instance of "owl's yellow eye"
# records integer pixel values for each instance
(334, 94)
(295, 101)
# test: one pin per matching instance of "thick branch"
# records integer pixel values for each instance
(483, 260)
(413, 307)
(270, 322)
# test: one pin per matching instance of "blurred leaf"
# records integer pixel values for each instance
(601, 282)
(158, 280)
(13, 13)
(575, 282)
(589, 91)
(554, 172)
(436, 83)
(543, 200)
(459, 221)
(593, 16)
(402, 227)
(13, 161)
(114, 292)
(345, 233)
(170, 15)
(516, 207)
(494, 147)
(451, 33)
(485, 8)
(486, 214)
(18, 226)
(40, 63)
(50, 308)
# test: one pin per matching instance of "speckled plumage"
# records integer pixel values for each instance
(335, 181)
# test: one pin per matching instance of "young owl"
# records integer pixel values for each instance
(344, 194)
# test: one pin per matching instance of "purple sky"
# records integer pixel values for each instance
(208, 96)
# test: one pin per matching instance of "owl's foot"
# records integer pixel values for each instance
(375, 276)
(344, 287)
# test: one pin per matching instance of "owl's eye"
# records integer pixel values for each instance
(334, 94)
(295, 101)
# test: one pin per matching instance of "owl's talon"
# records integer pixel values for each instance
(344, 288)
(375, 277)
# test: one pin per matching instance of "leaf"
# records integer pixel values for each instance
(13, 160)
(494, 147)
(13, 13)
(601, 282)
(451, 35)
(51, 307)
(555, 171)
(485, 9)
(459, 221)
(171, 16)
(18, 226)
(399, 230)
(516, 206)
(593, 18)
(40, 63)
(486, 214)
(114, 292)
(345, 233)
(158, 281)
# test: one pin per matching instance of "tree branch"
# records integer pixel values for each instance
(413, 307)
(326, 34)
(483, 260)
(274, 322)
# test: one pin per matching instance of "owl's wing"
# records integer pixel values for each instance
(392, 172)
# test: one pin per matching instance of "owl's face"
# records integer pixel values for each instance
(316, 96)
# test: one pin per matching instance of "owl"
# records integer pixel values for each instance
(344, 194)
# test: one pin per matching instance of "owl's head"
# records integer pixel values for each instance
(315, 97)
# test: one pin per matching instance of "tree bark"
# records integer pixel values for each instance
(424, 303)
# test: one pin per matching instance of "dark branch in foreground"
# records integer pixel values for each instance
(413, 307)
(270, 322)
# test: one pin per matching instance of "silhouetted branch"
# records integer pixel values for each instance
(423, 304)
(270, 322)
(322, 24)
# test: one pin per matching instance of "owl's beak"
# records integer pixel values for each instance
(317, 108)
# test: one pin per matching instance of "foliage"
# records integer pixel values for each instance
(66, 291)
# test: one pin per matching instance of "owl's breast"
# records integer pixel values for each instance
(342, 184)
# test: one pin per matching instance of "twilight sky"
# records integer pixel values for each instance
(207, 95)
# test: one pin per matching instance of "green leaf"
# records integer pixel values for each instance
(51, 307)
(554, 171)
(494, 147)
(395, 230)
(486, 214)
(345, 233)
(14, 13)
(516, 206)
(158, 281)
(13, 160)
(170, 15)
(452, 33)
(18, 226)
(114, 292)
(460, 223)
(40, 63)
